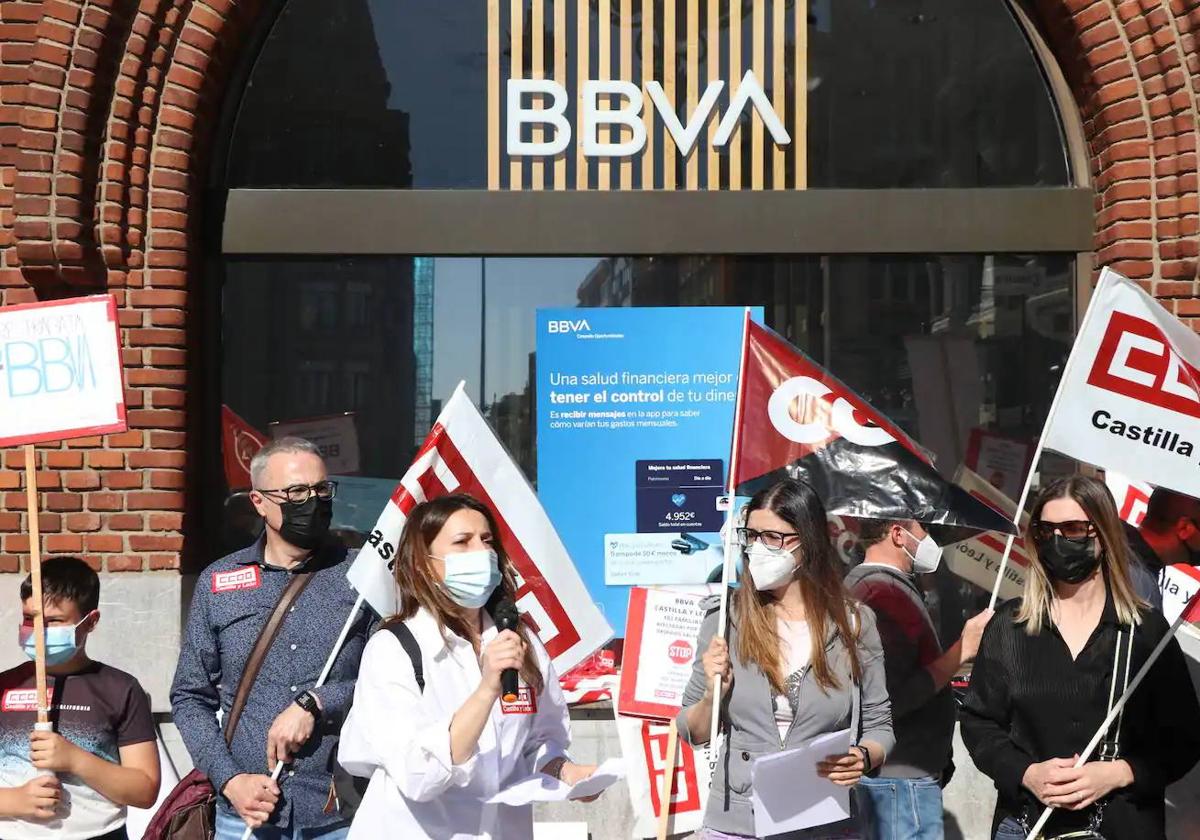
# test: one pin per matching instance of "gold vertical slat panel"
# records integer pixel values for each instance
(583, 68)
(647, 77)
(779, 83)
(604, 60)
(627, 75)
(516, 71)
(800, 123)
(560, 76)
(760, 70)
(668, 83)
(537, 33)
(495, 141)
(693, 86)
(734, 149)
(713, 46)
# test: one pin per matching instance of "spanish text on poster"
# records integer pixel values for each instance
(660, 645)
(60, 370)
(634, 418)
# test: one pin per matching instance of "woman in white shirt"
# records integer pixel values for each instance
(436, 754)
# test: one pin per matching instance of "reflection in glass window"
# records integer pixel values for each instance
(923, 93)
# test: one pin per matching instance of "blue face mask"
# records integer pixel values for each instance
(471, 577)
(60, 642)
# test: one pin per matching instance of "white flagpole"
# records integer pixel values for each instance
(337, 648)
(714, 732)
(1037, 452)
(1120, 704)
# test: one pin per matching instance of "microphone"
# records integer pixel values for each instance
(507, 618)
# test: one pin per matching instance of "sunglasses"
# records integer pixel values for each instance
(1076, 530)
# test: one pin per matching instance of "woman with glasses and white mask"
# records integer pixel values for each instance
(1050, 665)
(430, 725)
(801, 659)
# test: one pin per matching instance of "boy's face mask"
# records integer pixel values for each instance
(61, 642)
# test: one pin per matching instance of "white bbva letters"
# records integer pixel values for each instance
(629, 116)
(519, 115)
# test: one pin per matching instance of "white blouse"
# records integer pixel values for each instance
(399, 737)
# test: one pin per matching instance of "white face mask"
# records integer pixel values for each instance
(769, 568)
(471, 576)
(928, 556)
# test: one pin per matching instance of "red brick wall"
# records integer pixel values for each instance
(105, 111)
(104, 106)
(1135, 71)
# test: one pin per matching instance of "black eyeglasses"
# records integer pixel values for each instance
(771, 539)
(298, 494)
(1076, 530)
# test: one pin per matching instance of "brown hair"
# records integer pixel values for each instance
(1115, 555)
(825, 600)
(419, 585)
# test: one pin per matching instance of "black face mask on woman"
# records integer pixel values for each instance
(1068, 561)
(306, 524)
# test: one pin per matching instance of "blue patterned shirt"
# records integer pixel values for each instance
(233, 599)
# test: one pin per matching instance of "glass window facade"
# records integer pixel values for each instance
(924, 93)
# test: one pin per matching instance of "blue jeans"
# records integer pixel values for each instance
(1010, 829)
(901, 809)
(230, 827)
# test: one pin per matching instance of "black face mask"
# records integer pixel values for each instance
(1067, 561)
(306, 525)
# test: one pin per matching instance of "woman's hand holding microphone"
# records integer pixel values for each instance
(505, 651)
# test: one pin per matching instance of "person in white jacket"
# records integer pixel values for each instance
(435, 753)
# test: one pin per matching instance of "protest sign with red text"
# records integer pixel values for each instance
(978, 559)
(644, 748)
(660, 645)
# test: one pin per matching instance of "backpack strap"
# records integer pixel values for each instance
(409, 642)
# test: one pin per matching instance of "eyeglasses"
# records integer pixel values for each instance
(298, 494)
(773, 540)
(1076, 530)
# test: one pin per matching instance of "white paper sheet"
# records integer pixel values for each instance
(542, 788)
(788, 795)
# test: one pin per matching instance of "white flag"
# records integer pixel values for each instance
(463, 455)
(1130, 395)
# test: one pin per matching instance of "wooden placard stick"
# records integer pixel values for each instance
(35, 576)
(668, 783)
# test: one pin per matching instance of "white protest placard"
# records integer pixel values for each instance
(660, 646)
(978, 558)
(644, 748)
(1179, 584)
(999, 460)
(1131, 390)
(336, 436)
(60, 370)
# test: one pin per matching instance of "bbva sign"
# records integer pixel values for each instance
(552, 114)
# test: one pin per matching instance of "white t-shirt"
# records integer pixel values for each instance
(795, 645)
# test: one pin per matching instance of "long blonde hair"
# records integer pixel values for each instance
(825, 600)
(1115, 555)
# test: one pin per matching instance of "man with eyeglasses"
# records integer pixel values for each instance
(286, 717)
(904, 802)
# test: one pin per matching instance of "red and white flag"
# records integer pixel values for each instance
(463, 455)
(1129, 399)
(1132, 497)
(796, 419)
(239, 443)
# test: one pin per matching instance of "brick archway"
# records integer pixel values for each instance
(107, 109)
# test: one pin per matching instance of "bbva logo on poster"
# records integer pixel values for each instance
(562, 326)
(595, 122)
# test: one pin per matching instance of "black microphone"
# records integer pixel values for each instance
(507, 618)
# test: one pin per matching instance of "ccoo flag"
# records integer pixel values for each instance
(796, 419)
(1129, 399)
(239, 443)
(463, 455)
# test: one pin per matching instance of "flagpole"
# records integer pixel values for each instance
(1120, 704)
(1041, 444)
(714, 732)
(337, 648)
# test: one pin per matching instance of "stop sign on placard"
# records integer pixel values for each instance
(680, 651)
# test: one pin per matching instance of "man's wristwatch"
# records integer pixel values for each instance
(307, 701)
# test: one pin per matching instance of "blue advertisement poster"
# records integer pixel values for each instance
(634, 415)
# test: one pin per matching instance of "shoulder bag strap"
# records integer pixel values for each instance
(266, 637)
(1110, 747)
(409, 642)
